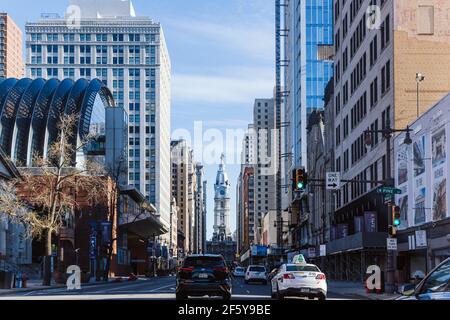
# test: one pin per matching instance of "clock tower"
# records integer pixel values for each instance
(222, 204)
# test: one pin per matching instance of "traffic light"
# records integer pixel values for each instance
(396, 216)
(395, 220)
(300, 179)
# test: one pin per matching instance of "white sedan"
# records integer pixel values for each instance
(239, 272)
(256, 274)
(299, 280)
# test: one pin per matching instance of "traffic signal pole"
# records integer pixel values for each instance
(390, 269)
(389, 182)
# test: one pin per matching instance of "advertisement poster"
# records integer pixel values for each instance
(342, 230)
(402, 165)
(403, 204)
(370, 222)
(359, 224)
(439, 194)
(419, 156)
(438, 150)
(419, 210)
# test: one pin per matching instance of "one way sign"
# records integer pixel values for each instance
(333, 180)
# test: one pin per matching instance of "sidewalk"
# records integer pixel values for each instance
(357, 289)
(36, 285)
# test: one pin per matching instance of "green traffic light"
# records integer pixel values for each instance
(300, 185)
(396, 222)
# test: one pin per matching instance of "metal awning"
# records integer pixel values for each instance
(144, 228)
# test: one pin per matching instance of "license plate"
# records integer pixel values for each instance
(203, 276)
(306, 290)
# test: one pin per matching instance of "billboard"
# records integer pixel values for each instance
(259, 251)
(439, 160)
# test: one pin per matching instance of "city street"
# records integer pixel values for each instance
(147, 289)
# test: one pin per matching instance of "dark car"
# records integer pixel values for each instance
(203, 275)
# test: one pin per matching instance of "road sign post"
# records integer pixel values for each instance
(391, 244)
(333, 181)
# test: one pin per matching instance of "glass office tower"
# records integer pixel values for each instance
(310, 25)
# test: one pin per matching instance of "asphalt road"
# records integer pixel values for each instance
(147, 289)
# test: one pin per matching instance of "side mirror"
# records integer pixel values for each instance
(408, 290)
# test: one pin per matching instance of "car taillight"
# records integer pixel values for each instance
(321, 277)
(288, 276)
(187, 269)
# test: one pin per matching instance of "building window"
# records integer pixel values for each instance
(385, 32)
(386, 78)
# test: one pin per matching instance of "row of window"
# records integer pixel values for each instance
(88, 60)
(149, 50)
(358, 148)
(137, 154)
(351, 191)
(99, 37)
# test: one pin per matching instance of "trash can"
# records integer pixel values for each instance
(6, 280)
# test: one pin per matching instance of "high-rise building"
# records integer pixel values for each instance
(256, 189)
(305, 29)
(129, 54)
(180, 163)
(376, 84)
(222, 199)
(265, 160)
(308, 25)
(11, 62)
(199, 233)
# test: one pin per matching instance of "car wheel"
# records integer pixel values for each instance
(274, 295)
(279, 295)
(322, 297)
(180, 296)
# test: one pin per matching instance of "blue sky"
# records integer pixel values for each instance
(222, 54)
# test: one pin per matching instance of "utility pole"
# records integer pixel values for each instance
(419, 78)
(389, 182)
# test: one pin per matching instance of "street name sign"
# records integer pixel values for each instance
(389, 190)
(388, 198)
(333, 180)
(391, 244)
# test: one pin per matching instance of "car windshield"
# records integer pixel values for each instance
(203, 262)
(293, 268)
(438, 281)
(240, 269)
(257, 269)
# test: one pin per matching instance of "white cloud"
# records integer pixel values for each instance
(254, 40)
(240, 87)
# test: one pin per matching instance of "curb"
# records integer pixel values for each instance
(83, 285)
(26, 290)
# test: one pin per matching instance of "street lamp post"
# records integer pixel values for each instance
(389, 182)
(419, 78)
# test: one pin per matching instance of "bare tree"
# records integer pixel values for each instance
(50, 187)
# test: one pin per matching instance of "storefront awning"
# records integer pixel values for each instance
(144, 228)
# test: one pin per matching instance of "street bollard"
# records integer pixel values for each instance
(19, 280)
(24, 280)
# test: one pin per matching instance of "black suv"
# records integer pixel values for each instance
(203, 275)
